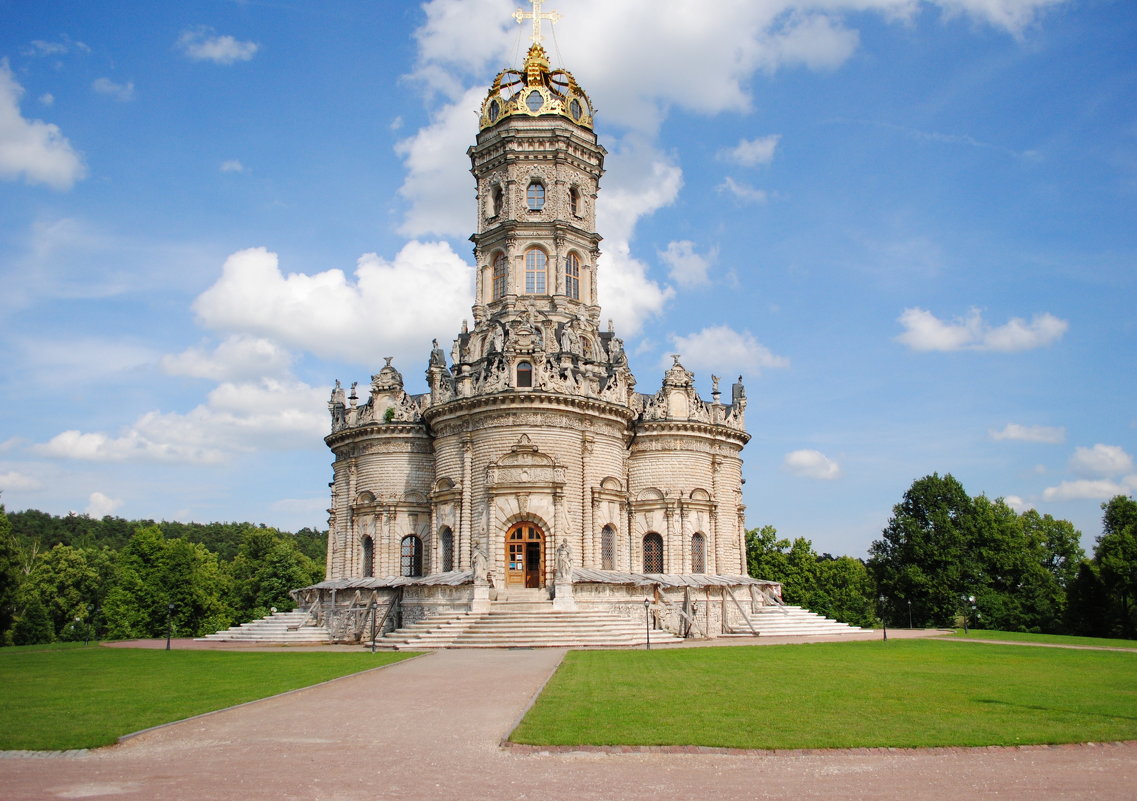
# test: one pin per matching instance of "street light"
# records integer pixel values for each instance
(909, 613)
(169, 624)
(647, 622)
(883, 622)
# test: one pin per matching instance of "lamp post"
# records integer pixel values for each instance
(909, 613)
(169, 624)
(883, 622)
(968, 610)
(647, 622)
(90, 620)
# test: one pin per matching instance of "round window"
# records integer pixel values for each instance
(534, 101)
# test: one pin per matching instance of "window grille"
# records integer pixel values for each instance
(368, 557)
(698, 553)
(499, 274)
(446, 549)
(653, 553)
(608, 548)
(410, 556)
(535, 196)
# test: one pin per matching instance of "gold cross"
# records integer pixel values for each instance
(536, 15)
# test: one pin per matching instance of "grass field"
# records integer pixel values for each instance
(1055, 639)
(60, 698)
(904, 693)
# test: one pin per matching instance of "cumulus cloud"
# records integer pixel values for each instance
(237, 417)
(33, 150)
(808, 463)
(1017, 503)
(122, 92)
(743, 192)
(1048, 434)
(401, 303)
(203, 44)
(238, 357)
(723, 350)
(100, 505)
(1100, 460)
(686, 267)
(752, 152)
(1090, 489)
(926, 332)
(13, 480)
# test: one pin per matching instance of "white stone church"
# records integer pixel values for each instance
(534, 477)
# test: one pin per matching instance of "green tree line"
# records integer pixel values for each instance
(946, 558)
(74, 577)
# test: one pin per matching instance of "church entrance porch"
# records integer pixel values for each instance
(525, 556)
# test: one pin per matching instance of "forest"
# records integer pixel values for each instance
(75, 577)
(948, 559)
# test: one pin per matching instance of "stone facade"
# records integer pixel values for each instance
(532, 439)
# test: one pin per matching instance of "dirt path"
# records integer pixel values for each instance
(430, 728)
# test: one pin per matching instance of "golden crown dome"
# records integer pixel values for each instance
(536, 91)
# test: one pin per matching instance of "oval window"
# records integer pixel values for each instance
(575, 109)
(494, 111)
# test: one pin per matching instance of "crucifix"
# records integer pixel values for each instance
(536, 15)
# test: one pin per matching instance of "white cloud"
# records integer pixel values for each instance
(1101, 460)
(1017, 503)
(233, 165)
(816, 41)
(32, 149)
(1090, 490)
(17, 481)
(924, 332)
(1048, 434)
(725, 351)
(238, 357)
(686, 267)
(438, 186)
(47, 99)
(66, 44)
(122, 92)
(743, 192)
(1011, 15)
(811, 464)
(752, 152)
(401, 303)
(202, 44)
(100, 505)
(268, 414)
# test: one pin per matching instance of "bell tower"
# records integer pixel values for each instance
(537, 164)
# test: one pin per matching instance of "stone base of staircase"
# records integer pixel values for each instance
(521, 620)
(282, 628)
(794, 621)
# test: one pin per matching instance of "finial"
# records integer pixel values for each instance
(675, 356)
(388, 360)
(537, 16)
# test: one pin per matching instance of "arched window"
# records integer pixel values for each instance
(698, 553)
(536, 271)
(574, 202)
(446, 550)
(653, 553)
(368, 557)
(572, 276)
(608, 548)
(535, 196)
(524, 374)
(410, 556)
(498, 201)
(499, 274)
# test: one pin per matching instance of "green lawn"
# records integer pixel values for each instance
(1057, 639)
(57, 698)
(902, 693)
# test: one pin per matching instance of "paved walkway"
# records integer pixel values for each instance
(430, 728)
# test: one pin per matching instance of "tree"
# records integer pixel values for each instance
(9, 574)
(268, 564)
(843, 590)
(67, 583)
(1115, 557)
(923, 554)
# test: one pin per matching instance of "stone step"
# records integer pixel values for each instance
(282, 627)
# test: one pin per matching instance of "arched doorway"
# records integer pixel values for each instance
(525, 556)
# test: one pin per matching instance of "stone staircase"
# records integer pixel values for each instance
(794, 621)
(282, 628)
(524, 624)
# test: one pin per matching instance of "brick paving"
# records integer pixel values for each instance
(431, 728)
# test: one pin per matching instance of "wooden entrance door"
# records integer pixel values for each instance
(525, 556)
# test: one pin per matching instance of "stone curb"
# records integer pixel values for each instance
(554, 750)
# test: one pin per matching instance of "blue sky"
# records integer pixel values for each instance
(909, 225)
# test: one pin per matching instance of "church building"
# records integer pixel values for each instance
(534, 467)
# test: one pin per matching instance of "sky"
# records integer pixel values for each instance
(911, 226)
